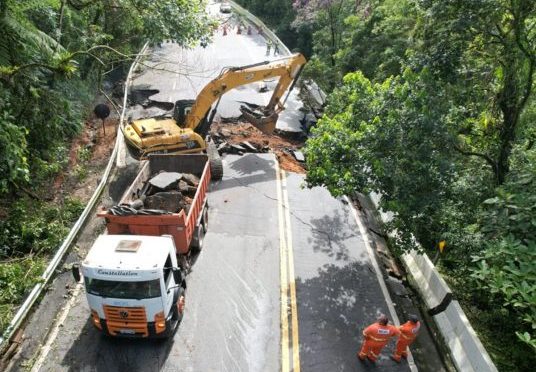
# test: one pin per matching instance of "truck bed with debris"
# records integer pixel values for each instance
(168, 197)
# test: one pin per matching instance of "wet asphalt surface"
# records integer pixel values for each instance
(232, 319)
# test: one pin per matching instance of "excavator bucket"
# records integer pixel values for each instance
(261, 119)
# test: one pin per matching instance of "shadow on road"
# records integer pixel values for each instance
(248, 170)
(334, 307)
(92, 351)
(329, 235)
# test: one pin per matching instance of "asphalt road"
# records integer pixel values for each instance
(284, 280)
(170, 73)
(233, 319)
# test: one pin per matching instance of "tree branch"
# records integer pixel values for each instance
(487, 158)
(25, 190)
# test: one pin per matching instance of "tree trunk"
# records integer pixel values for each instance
(506, 140)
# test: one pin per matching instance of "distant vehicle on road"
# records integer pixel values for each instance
(225, 8)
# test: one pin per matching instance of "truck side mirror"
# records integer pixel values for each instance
(177, 275)
(75, 269)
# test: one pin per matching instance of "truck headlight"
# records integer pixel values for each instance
(160, 322)
(96, 319)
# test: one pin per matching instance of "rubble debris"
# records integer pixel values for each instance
(183, 187)
(166, 180)
(226, 134)
(137, 204)
(163, 193)
(141, 95)
(190, 179)
(223, 148)
(298, 155)
(237, 149)
(168, 201)
(249, 146)
(308, 121)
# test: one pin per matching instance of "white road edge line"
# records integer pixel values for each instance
(56, 329)
(383, 286)
(283, 286)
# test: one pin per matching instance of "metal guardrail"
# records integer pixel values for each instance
(257, 22)
(26, 306)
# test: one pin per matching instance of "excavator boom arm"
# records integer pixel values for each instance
(287, 69)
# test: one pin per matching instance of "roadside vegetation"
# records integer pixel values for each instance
(432, 104)
(54, 57)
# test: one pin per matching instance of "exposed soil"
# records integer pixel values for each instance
(82, 176)
(279, 143)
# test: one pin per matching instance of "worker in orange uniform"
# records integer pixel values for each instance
(376, 336)
(408, 334)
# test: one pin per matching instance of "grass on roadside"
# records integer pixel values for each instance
(29, 235)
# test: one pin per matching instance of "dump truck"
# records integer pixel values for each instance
(135, 275)
(187, 224)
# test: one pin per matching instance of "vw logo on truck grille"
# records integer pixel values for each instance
(123, 314)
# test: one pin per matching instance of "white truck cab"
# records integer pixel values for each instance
(134, 286)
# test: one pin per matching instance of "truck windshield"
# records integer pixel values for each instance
(114, 289)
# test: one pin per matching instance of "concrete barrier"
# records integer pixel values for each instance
(467, 352)
(432, 287)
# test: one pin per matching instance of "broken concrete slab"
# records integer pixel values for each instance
(190, 179)
(298, 155)
(237, 149)
(249, 147)
(166, 180)
(183, 187)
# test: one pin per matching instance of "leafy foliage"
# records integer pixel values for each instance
(431, 105)
(384, 138)
(506, 267)
(53, 54)
(30, 232)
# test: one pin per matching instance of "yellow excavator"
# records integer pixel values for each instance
(187, 131)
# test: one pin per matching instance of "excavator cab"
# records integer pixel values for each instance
(182, 110)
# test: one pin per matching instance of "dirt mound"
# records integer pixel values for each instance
(279, 143)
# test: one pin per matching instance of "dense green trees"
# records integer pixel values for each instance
(431, 105)
(53, 56)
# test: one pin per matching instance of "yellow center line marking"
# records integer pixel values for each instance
(284, 283)
(292, 282)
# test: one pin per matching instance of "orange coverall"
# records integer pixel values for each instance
(376, 336)
(408, 334)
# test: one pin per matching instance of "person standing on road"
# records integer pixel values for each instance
(376, 336)
(268, 46)
(276, 49)
(408, 334)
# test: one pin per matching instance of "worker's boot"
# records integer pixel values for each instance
(396, 358)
